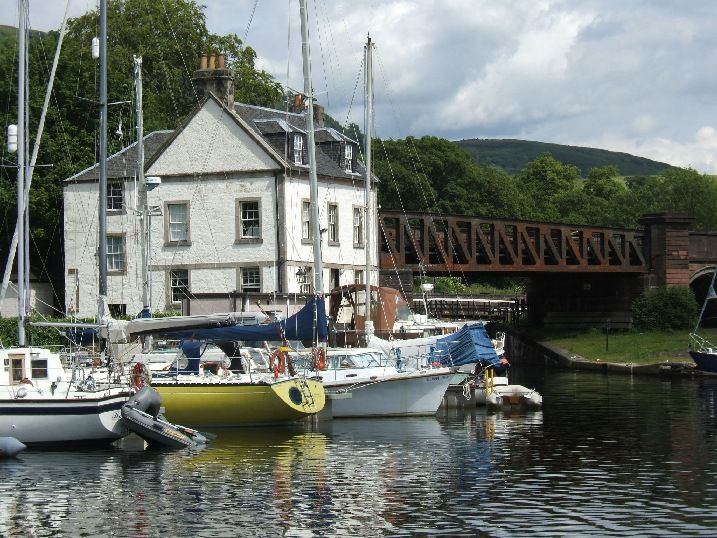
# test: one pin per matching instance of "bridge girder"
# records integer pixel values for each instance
(439, 244)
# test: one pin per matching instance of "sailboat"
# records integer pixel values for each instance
(361, 382)
(233, 394)
(40, 401)
(702, 351)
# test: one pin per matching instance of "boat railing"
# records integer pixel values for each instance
(699, 343)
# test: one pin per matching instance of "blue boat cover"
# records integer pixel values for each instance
(309, 323)
(470, 345)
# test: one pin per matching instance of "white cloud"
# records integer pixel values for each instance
(699, 153)
(636, 76)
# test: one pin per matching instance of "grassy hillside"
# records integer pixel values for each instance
(513, 155)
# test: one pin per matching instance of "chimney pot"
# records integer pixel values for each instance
(211, 61)
(203, 62)
(220, 61)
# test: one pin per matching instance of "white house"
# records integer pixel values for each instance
(231, 212)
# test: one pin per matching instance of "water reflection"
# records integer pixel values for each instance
(608, 455)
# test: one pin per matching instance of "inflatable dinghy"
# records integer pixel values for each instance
(141, 415)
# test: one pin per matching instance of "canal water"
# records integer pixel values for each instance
(608, 455)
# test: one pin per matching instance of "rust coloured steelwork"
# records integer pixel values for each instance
(447, 243)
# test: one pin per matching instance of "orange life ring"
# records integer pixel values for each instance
(277, 362)
(319, 355)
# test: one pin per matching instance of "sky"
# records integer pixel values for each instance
(637, 76)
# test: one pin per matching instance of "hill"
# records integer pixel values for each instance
(513, 155)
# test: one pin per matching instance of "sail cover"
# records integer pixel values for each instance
(471, 344)
(309, 323)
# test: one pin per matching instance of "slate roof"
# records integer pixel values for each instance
(124, 163)
(259, 118)
(263, 121)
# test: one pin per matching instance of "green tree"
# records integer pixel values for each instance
(543, 180)
(170, 36)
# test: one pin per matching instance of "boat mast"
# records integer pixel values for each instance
(21, 269)
(313, 180)
(142, 194)
(368, 326)
(102, 306)
(33, 158)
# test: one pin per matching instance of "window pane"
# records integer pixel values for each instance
(298, 149)
(39, 368)
(358, 226)
(250, 219)
(114, 196)
(251, 279)
(348, 157)
(305, 280)
(333, 223)
(179, 284)
(115, 253)
(178, 223)
(306, 220)
(358, 277)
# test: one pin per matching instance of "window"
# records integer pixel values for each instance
(178, 285)
(114, 196)
(358, 226)
(349, 157)
(115, 253)
(117, 309)
(298, 149)
(358, 276)
(38, 368)
(178, 220)
(306, 220)
(250, 223)
(250, 279)
(333, 213)
(304, 279)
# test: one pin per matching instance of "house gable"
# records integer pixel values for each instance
(213, 141)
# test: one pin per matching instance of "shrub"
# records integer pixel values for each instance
(665, 309)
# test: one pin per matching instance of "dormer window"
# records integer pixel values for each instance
(298, 149)
(349, 158)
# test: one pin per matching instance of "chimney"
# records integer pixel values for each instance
(297, 106)
(213, 76)
(318, 115)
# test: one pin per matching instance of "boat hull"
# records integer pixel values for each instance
(227, 403)
(64, 421)
(415, 394)
(705, 361)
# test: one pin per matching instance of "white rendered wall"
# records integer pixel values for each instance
(344, 256)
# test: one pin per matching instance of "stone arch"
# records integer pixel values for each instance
(699, 283)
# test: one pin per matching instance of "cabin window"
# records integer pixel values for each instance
(306, 220)
(251, 279)
(250, 219)
(115, 201)
(177, 222)
(298, 149)
(333, 218)
(16, 371)
(349, 158)
(358, 276)
(358, 226)
(178, 285)
(38, 368)
(115, 253)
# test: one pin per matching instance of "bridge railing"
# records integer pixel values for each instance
(453, 243)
